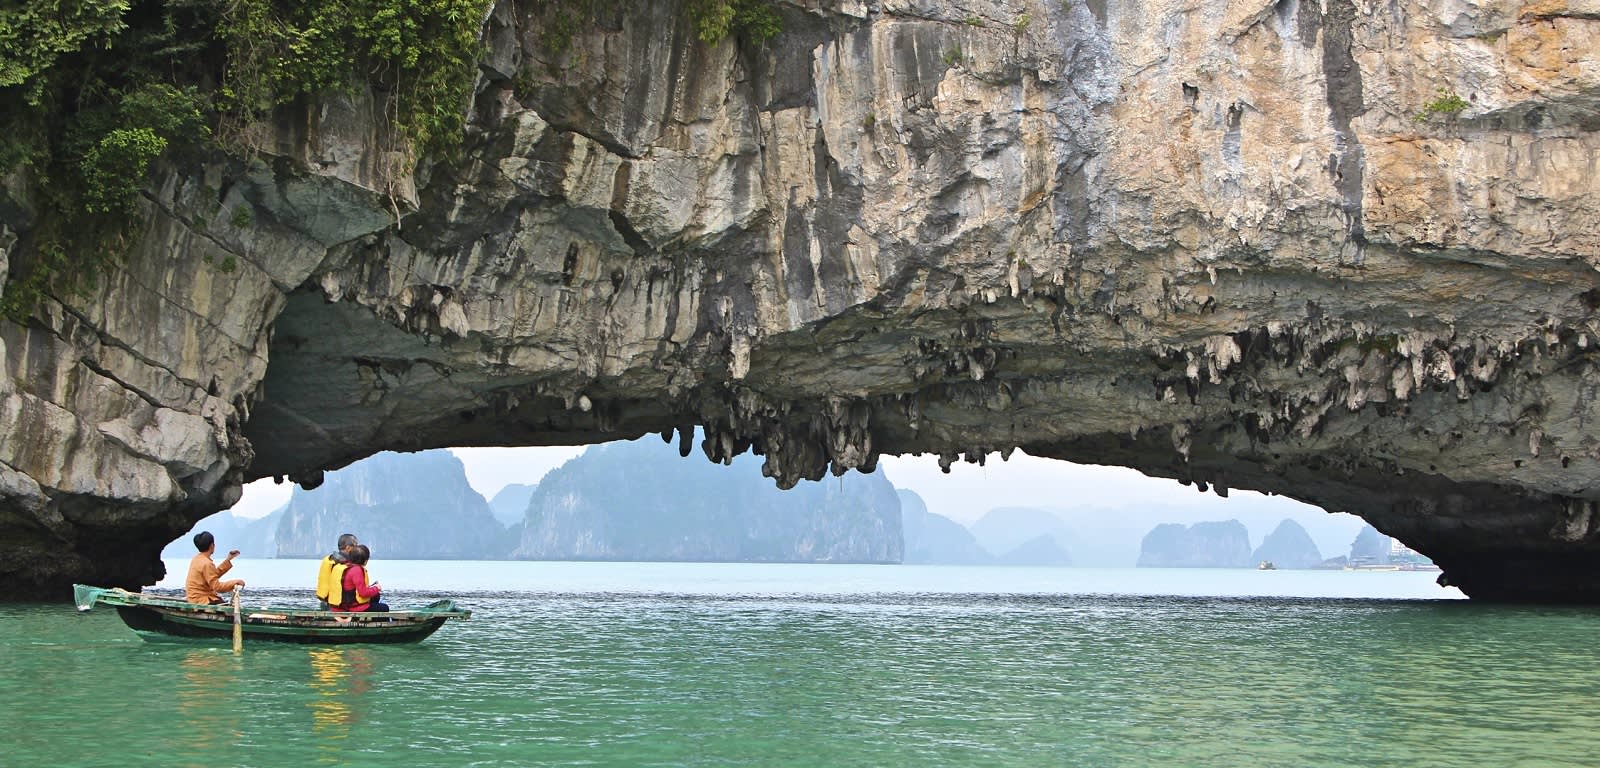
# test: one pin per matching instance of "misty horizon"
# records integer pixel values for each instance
(1088, 500)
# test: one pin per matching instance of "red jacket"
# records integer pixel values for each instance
(355, 585)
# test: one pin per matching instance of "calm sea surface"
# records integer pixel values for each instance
(691, 664)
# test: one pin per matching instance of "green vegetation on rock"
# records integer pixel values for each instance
(716, 19)
(34, 35)
(94, 92)
(712, 20)
(91, 93)
(421, 51)
(1446, 103)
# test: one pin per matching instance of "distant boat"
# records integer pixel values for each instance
(1266, 565)
(157, 618)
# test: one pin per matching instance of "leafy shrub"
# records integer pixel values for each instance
(1445, 103)
(33, 35)
(114, 170)
(715, 19)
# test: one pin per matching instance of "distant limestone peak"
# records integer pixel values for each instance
(1288, 546)
(1371, 547)
(510, 504)
(1202, 545)
(935, 539)
(1042, 550)
(402, 505)
(640, 501)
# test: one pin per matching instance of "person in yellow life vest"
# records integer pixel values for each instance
(330, 572)
(361, 593)
(204, 581)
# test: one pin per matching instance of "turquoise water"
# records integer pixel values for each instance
(692, 664)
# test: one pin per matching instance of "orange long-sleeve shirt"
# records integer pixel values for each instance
(205, 579)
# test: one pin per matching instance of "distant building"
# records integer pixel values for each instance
(1400, 553)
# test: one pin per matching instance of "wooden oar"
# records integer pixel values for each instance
(238, 630)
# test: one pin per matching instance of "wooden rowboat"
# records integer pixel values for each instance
(156, 618)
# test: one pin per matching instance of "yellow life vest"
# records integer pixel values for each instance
(330, 581)
(351, 595)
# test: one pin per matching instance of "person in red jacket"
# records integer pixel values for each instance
(359, 596)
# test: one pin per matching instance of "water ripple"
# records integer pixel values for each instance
(894, 679)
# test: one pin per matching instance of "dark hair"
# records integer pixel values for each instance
(203, 540)
(347, 540)
(360, 554)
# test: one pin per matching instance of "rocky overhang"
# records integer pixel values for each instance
(1240, 244)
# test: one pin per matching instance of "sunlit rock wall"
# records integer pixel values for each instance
(1238, 244)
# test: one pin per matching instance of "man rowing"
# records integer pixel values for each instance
(204, 584)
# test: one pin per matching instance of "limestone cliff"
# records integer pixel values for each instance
(1245, 244)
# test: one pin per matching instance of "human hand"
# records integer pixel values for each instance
(238, 582)
(232, 553)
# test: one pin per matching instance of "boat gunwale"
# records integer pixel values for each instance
(119, 597)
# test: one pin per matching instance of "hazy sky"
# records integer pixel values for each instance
(963, 495)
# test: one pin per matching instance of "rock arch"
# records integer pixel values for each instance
(850, 242)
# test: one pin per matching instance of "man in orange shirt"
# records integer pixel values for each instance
(205, 577)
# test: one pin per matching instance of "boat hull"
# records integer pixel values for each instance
(158, 624)
(160, 617)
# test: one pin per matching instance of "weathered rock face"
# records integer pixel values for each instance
(1209, 240)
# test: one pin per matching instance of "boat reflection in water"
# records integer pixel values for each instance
(206, 702)
(339, 677)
